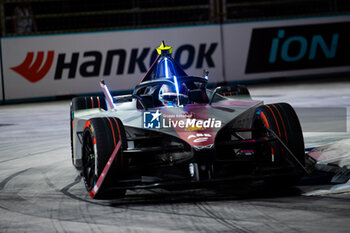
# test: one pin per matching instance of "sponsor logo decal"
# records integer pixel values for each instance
(152, 120)
(155, 120)
(35, 71)
(192, 124)
(299, 47)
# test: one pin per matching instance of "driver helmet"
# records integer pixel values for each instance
(167, 95)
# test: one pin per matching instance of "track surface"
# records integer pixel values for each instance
(40, 191)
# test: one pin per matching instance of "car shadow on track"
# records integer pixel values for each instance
(236, 191)
(257, 190)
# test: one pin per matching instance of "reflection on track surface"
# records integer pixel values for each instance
(40, 191)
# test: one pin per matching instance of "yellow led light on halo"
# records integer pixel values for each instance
(162, 49)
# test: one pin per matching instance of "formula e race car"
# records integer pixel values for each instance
(173, 132)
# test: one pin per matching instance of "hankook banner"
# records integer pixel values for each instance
(57, 65)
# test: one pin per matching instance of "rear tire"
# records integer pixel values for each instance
(88, 102)
(85, 102)
(282, 119)
(101, 135)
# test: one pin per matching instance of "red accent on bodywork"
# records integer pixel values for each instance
(278, 127)
(284, 127)
(92, 102)
(101, 178)
(87, 124)
(263, 117)
(98, 102)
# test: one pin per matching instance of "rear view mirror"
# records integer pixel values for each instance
(235, 91)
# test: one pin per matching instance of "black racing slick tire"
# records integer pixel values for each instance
(282, 119)
(80, 103)
(100, 138)
(293, 137)
(88, 102)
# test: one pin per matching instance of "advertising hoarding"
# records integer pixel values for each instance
(286, 48)
(72, 64)
(42, 66)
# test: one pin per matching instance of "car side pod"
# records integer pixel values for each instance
(94, 191)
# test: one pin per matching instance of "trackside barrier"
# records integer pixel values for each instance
(1, 79)
(73, 64)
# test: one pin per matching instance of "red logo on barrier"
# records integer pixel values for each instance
(35, 71)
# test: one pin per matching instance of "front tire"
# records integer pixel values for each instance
(101, 135)
(282, 119)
